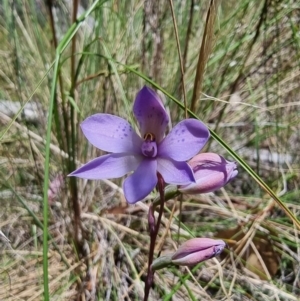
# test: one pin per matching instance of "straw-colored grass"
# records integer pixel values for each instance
(249, 97)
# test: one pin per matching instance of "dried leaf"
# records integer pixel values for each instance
(254, 260)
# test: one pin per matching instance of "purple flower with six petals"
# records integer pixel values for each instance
(147, 155)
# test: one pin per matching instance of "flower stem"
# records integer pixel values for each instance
(153, 231)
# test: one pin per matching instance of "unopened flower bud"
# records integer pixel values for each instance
(197, 250)
(211, 172)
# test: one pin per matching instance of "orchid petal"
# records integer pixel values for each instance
(111, 134)
(150, 113)
(138, 185)
(174, 172)
(195, 258)
(184, 141)
(195, 245)
(108, 166)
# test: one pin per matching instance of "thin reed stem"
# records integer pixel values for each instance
(180, 58)
(205, 51)
(153, 235)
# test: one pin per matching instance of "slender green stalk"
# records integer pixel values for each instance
(46, 185)
(61, 47)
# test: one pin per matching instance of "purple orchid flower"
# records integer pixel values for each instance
(147, 155)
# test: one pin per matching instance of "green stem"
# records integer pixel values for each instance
(60, 49)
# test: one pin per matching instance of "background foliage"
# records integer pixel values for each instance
(93, 56)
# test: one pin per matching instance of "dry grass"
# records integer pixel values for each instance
(251, 88)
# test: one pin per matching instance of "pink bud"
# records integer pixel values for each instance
(197, 250)
(211, 172)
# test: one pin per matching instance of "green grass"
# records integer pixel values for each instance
(88, 241)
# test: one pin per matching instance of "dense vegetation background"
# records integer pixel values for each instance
(69, 239)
